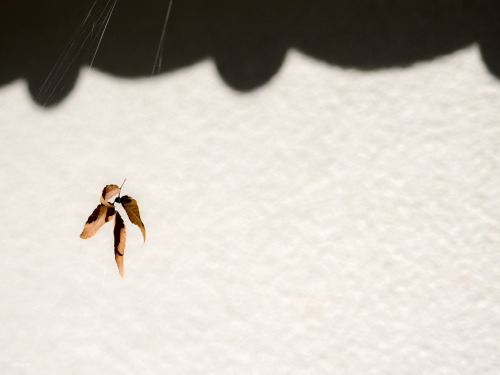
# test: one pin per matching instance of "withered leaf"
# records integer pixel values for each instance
(109, 192)
(105, 211)
(120, 237)
(97, 219)
(132, 210)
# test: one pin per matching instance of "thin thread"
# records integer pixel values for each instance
(103, 31)
(62, 57)
(57, 77)
(44, 328)
(102, 297)
(159, 52)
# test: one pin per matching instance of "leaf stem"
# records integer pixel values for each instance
(122, 184)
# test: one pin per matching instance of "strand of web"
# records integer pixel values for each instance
(59, 63)
(103, 26)
(103, 31)
(55, 76)
(159, 52)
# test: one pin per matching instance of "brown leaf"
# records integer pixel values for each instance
(97, 219)
(120, 237)
(109, 192)
(132, 210)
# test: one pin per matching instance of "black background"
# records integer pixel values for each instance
(247, 40)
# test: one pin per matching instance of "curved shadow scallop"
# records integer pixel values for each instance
(247, 40)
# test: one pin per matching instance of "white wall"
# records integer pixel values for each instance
(331, 222)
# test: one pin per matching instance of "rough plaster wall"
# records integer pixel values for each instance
(331, 222)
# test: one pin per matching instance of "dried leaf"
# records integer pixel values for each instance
(97, 219)
(132, 210)
(105, 211)
(120, 237)
(109, 192)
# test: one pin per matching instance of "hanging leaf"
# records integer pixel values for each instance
(132, 210)
(97, 219)
(120, 237)
(105, 211)
(109, 192)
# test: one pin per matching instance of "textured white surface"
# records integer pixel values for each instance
(332, 222)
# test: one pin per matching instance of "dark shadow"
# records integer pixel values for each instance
(247, 40)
